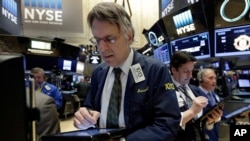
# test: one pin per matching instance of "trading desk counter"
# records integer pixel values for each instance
(243, 94)
(229, 107)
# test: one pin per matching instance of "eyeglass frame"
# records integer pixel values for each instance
(105, 39)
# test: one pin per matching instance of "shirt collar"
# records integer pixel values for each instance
(125, 66)
(205, 91)
(177, 84)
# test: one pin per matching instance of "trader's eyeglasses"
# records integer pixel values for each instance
(108, 39)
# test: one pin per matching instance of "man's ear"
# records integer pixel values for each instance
(130, 36)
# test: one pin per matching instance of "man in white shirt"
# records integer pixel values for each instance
(190, 100)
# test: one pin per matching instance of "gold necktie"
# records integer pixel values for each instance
(39, 89)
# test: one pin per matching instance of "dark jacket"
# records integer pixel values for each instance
(150, 106)
(211, 135)
(192, 131)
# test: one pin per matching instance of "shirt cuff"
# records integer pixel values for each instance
(122, 139)
(182, 126)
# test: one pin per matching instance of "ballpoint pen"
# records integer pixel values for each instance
(88, 109)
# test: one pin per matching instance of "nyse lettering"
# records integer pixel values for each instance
(168, 8)
(48, 15)
(185, 29)
(9, 15)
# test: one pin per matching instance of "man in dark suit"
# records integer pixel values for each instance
(148, 104)
(207, 83)
(190, 100)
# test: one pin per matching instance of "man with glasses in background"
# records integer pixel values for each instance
(142, 99)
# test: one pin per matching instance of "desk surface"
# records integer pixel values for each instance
(243, 94)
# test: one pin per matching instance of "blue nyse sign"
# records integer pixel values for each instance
(184, 22)
(9, 10)
(10, 17)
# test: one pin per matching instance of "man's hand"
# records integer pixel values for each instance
(198, 104)
(215, 116)
(85, 118)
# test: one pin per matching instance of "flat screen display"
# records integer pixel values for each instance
(13, 97)
(169, 6)
(226, 13)
(40, 45)
(232, 41)
(156, 35)
(162, 53)
(66, 64)
(185, 22)
(216, 64)
(244, 83)
(245, 71)
(45, 62)
(68, 51)
(198, 45)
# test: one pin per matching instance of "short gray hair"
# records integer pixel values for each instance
(112, 13)
(37, 70)
(202, 72)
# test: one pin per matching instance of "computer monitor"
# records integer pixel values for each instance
(68, 51)
(14, 111)
(162, 53)
(245, 72)
(66, 64)
(244, 83)
(232, 41)
(216, 64)
(188, 21)
(41, 45)
(198, 45)
(157, 34)
(226, 15)
(46, 62)
(169, 6)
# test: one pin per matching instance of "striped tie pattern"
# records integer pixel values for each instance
(188, 99)
(115, 101)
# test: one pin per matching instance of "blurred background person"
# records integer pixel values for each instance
(207, 83)
(47, 88)
(48, 122)
(83, 87)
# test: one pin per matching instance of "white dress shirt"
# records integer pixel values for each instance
(106, 92)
